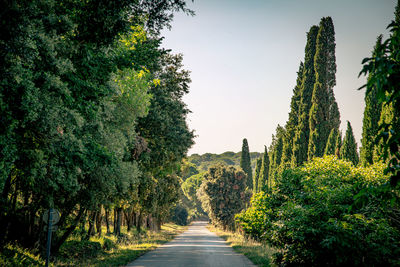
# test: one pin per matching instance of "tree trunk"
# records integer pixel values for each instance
(158, 224)
(139, 222)
(134, 219)
(99, 220)
(66, 234)
(107, 220)
(92, 219)
(118, 221)
(127, 219)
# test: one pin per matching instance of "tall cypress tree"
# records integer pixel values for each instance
(338, 145)
(349, 147)
(293, 120)
(264, 173)
(276, 150)
(245, 163)
(323, 102)
(300, 142)
(331, 144)
(257, 175)
(372, 113)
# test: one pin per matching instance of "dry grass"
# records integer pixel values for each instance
(258, 253)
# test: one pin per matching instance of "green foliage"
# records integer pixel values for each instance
(75, 78)
(245, 163)
(257, 175)
(115, 251)
(324, 114)
(81, 249)
(370, 122)
(188, 169)
(293, 119)
(189, 189)
(331, 144)
(312, 219)
(13, 255)
(264, 180)
(349, 148)
(108, 244)
(275, 152)
(300, 142)
(383, 70)
(223, 194)
(338, 145)
(207, 160)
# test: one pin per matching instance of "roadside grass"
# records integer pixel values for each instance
(107, 250)
(259, 254)
(14, 255)
(117, 251)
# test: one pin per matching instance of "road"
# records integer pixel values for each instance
(195, 247)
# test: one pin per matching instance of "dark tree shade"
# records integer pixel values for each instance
(245, 163)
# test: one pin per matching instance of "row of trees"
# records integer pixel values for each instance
(92, 117)
(312, 129)
(331, 210)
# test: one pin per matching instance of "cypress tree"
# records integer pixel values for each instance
(264, 173)
(323, 102)
(276, 150)
(330, 148)
(257, 175)
(300, 142)
(338, 145)
(349, 147)
(245, 163)
(293, 120)
(372, 113)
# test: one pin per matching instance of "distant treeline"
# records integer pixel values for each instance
(203, 162)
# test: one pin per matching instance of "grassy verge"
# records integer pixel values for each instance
(258, 253)
(107, 250)
(113, 251)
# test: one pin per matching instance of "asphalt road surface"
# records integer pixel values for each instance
(195, 247)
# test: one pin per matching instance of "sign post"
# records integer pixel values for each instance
(51, 217)
(49, 224)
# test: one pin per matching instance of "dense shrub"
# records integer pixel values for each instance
(108, 244)
(311, 218)
(80, 249)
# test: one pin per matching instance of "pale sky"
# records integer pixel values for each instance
(244, 55)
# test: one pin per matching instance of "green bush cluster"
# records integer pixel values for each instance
(312, 218)
(80, 249)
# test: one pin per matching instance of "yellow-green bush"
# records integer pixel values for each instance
(312, 218)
